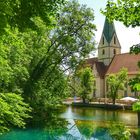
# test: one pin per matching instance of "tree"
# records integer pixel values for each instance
(116, 82)
(13, 111)
(127, 12)
(22, 13)
(134, 83)
(86, 79)
(34, 57)
(136, 107)
(67, 45)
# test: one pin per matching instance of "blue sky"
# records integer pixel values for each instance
(127, 36)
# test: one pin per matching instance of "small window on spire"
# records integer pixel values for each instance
(103, 52)
(103, 40)
(114, 40)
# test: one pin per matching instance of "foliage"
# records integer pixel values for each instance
(13, 62)
(135, 83)
(86, 78)
(86, 128)
(81, 83)
(116, 82)
(136, 106)
(119, 132)
(127, 12)
(13, 111)
(37, 49)
(66, 45)
(135, 49)
(22, 13)
(74, 85)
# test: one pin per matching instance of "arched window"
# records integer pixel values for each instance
(114, 40)
(103, 40)
(114, 51)
(103, 52)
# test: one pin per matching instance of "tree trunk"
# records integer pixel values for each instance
(113, 101)
(84, 100)
(138, 113)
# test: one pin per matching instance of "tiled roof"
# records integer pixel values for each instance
(126, 60)
(109, 30)
(91, 61)
(101, 68)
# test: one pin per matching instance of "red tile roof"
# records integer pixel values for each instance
(126, 60)
(101, 68)
(91, 61)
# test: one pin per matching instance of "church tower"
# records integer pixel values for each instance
(109, 44)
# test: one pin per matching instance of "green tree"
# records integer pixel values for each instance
(34, 57)
(136, 107)
(116, 82)
(22, 13)
(86, 79)
(134, 83)
(13, 111)
(67, 45)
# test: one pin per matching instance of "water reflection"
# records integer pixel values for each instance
(129, 118)
(83, 124)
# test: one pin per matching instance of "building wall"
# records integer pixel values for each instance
(99, 91)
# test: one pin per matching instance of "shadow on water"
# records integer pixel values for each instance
(82, 124)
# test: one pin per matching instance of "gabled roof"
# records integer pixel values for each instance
(109, 30)
(101, 69)
(126, 60)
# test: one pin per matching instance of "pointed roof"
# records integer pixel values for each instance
(109, 30)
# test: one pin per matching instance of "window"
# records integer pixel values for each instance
(103, 40)
(114, 51)
(114, 40)
(103, 52)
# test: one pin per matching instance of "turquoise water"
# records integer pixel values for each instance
(83, 124)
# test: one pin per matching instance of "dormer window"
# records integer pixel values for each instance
(103, 52)
(103, 40)
(114, 40)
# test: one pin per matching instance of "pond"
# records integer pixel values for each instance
(83, 124)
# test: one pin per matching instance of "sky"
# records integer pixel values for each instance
(127, 36)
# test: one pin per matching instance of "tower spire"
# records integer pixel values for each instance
(108, 30)
(109, 44)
